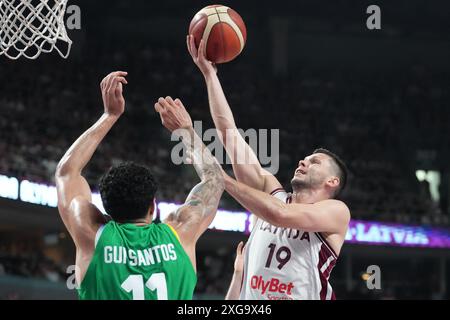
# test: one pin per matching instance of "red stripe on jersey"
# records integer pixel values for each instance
(323, 257)
(330, 267)
(325, 242)
(276, 191)
(333, 296)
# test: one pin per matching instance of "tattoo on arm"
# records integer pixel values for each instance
(207, 193)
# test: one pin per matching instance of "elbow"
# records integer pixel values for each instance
(228, 124)
(62, 169)
(224, 120)
(226, 128)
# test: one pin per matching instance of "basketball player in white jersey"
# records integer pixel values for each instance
(297, 237)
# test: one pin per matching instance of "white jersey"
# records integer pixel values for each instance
(286, 264)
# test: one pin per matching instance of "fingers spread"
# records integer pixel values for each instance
(170, 101)
(117, 80)
(201, 50)
(158, 107)
(194, 51)
(120, 73)
(164, 103)
(188, 43)
(116, 87)
(118, 90)
(169, 104)
(110, 81)
(161, 117)
(122, 80)
(106, 81)
(179, 103)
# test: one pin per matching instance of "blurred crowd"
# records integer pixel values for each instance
(17, 259)
(375, 124)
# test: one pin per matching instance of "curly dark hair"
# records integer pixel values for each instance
(127, 191)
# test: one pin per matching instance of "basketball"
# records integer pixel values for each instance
(223, 31)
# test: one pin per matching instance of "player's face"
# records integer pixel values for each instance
(312, 172)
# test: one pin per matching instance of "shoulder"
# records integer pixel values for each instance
(81, 204)
(277, 191)
(270, 181)
(337, 204)
(186, 213)
(168, 229)
(82, 207)
(280, 194)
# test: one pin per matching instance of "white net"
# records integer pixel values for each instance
(30, 27)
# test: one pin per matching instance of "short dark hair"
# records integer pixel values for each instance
(127, 191)
(342, 172)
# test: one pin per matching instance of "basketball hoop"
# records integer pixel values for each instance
(30, 27)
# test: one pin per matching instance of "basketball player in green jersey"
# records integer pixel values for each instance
(124, 255)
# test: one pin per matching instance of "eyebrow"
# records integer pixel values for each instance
(314, 158)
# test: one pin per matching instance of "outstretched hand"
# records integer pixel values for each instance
(199, 56)
(173, 114)
(112, 89)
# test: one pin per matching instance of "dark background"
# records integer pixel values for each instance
(311, 69)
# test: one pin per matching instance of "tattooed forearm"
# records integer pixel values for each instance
(208, 192)
(205, 196)
(203, 161)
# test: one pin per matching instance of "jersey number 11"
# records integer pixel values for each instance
(135, 284)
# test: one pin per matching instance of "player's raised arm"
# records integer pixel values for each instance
(79, 215)
(328, 215)
(246, 166)
(197, 213)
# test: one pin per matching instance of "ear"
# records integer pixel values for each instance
(333, 182)
(155, 207)
(152, 210)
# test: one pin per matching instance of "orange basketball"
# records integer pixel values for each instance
(223, 31)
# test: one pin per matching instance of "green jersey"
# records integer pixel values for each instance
(138, 262)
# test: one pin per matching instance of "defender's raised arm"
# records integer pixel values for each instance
(200, 207)
(81, 218)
